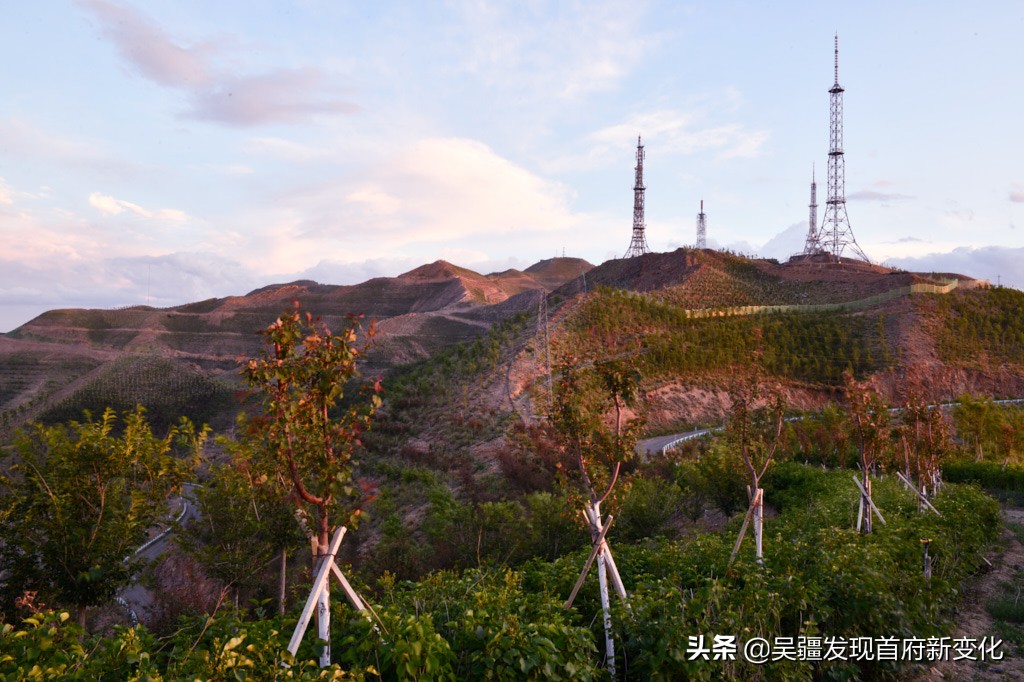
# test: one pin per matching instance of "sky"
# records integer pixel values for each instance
(168, 151)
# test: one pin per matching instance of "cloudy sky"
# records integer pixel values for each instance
(172, 150)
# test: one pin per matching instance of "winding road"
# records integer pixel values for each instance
(135, 598)
(660, 444)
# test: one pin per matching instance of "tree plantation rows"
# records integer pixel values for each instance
(981, 325)
(167, 388)
(479, 545)
(813, 347)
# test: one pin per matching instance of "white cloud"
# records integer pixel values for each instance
(958, 218)
(34, 286)
(883, 198)
(995, 263)
(111, 206)
(677, 132)
(435, 191)
(340, 272)
(237, 169)
(376, 200)
(786, 243)
(671, 132)
(551, 50)
(282, 149)
(6, 194)
(30, 144)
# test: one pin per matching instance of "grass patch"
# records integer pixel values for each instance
(1008, 607)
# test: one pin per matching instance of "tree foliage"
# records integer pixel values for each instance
(246, 518)
(582, 401)
(301, 377)
(81, 498)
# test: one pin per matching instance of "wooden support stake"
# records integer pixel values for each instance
(758, 519)
(870, 502)
(613, 570)
(743, 528)
(609, 641)
(319, 585)
(353, 597)
(590, 562)
(355, 600)
(918, 493)
(593, 515)
(282, 585)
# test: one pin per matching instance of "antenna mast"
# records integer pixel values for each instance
(638, 245)
(812, 246)
(702, 228)
(836, 234)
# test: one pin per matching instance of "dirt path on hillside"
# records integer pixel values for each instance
(974, 620)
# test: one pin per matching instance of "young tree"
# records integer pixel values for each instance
(755, 426)
(81, 498)
(925, 439)
(581, 403)
(301, 377)
(978, 423)
(869, 418)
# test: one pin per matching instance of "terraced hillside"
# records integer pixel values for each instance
(185, 358)
(696, 321)
(693, 320)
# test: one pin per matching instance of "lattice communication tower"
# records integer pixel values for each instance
(638, 245)
(702, 228)
(811, 246)
(836, 234)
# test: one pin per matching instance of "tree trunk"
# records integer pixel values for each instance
(81, 616)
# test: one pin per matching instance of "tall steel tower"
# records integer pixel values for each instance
(836, 234)
(702, 228)
(811, 246)
(638, 245)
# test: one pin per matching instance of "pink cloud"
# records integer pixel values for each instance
(277, 96)
(873, 195)
(148, 48)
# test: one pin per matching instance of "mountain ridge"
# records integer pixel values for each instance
(431, 308)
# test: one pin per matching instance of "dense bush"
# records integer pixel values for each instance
(819, 578)
(989, 475)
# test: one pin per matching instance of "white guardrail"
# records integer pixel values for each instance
(706, 432)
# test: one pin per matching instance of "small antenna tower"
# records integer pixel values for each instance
(702, 228)
(812, 246)
(836, 234)
(638, 245)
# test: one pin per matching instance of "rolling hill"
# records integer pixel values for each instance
(692, 319)
(66, 360)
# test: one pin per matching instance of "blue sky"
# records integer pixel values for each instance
(170, 151)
